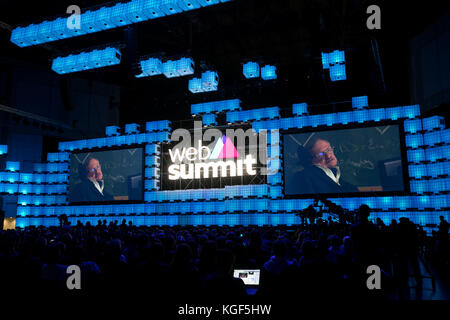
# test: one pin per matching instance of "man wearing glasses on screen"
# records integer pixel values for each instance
(92, 186)
(321, 173)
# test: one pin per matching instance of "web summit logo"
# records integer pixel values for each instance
(204, 161)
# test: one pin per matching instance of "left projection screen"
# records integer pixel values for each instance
(106, 176)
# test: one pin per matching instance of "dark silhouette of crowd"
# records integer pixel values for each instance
(324, 259)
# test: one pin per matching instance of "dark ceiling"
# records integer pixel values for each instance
(288, 33)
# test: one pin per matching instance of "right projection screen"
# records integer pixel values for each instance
(346, 161)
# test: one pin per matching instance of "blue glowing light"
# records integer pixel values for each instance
(433, 123)
(209, 119)
(337, 73)
(250, 70)
(210, 81)
(335, 62)
(112, 131)
(269, 72)
(151, 67)
(131, 128)
(3, 149)
(12, 166)
(169, 69)
(86, 60)
(195, 85)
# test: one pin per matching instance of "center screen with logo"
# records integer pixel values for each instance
(213, 158)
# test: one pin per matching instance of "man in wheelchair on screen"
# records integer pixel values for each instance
(91, 188)
(321, 173)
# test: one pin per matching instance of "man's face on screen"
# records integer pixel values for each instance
(323, 154)
(95, 170)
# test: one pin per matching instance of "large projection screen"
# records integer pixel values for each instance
(344, 161)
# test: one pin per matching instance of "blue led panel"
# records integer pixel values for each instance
(412, 126)
(337, 72)
(25, 188)
(131, 128)
(437, 185)
(93, 59)
(377, 114)
(269, 72)
(433, 154)
(18, 37)
(412, 111)
(26, 177)
(119, 15)
(216, 106)
(445, 150)
(394, 113)
(102, 19)
(414, 140)
(60, 30)
(329, 119)
(250, 70)
(345, 117)
(151, 67)
(45, 32)
(88, 21)
(12, 166)
(210, 81)
(361, 116)
(152, 10)
(205, 3)
(170, 6)
(189, 4)
(336, 57)
(169, 69)
(433, 123)
(31, 34)
(209, 119)
(432, 138)
(435, 169)
(112, 131)
(300, 109)
(134, 11)
(39, 178)
(11, 188)
(416, 155)
(161, 125)
(417, 171)
(185, 66)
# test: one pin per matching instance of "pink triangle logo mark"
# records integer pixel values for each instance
(227, 149)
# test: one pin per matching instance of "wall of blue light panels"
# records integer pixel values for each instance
(86, 60)
(42, 194)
